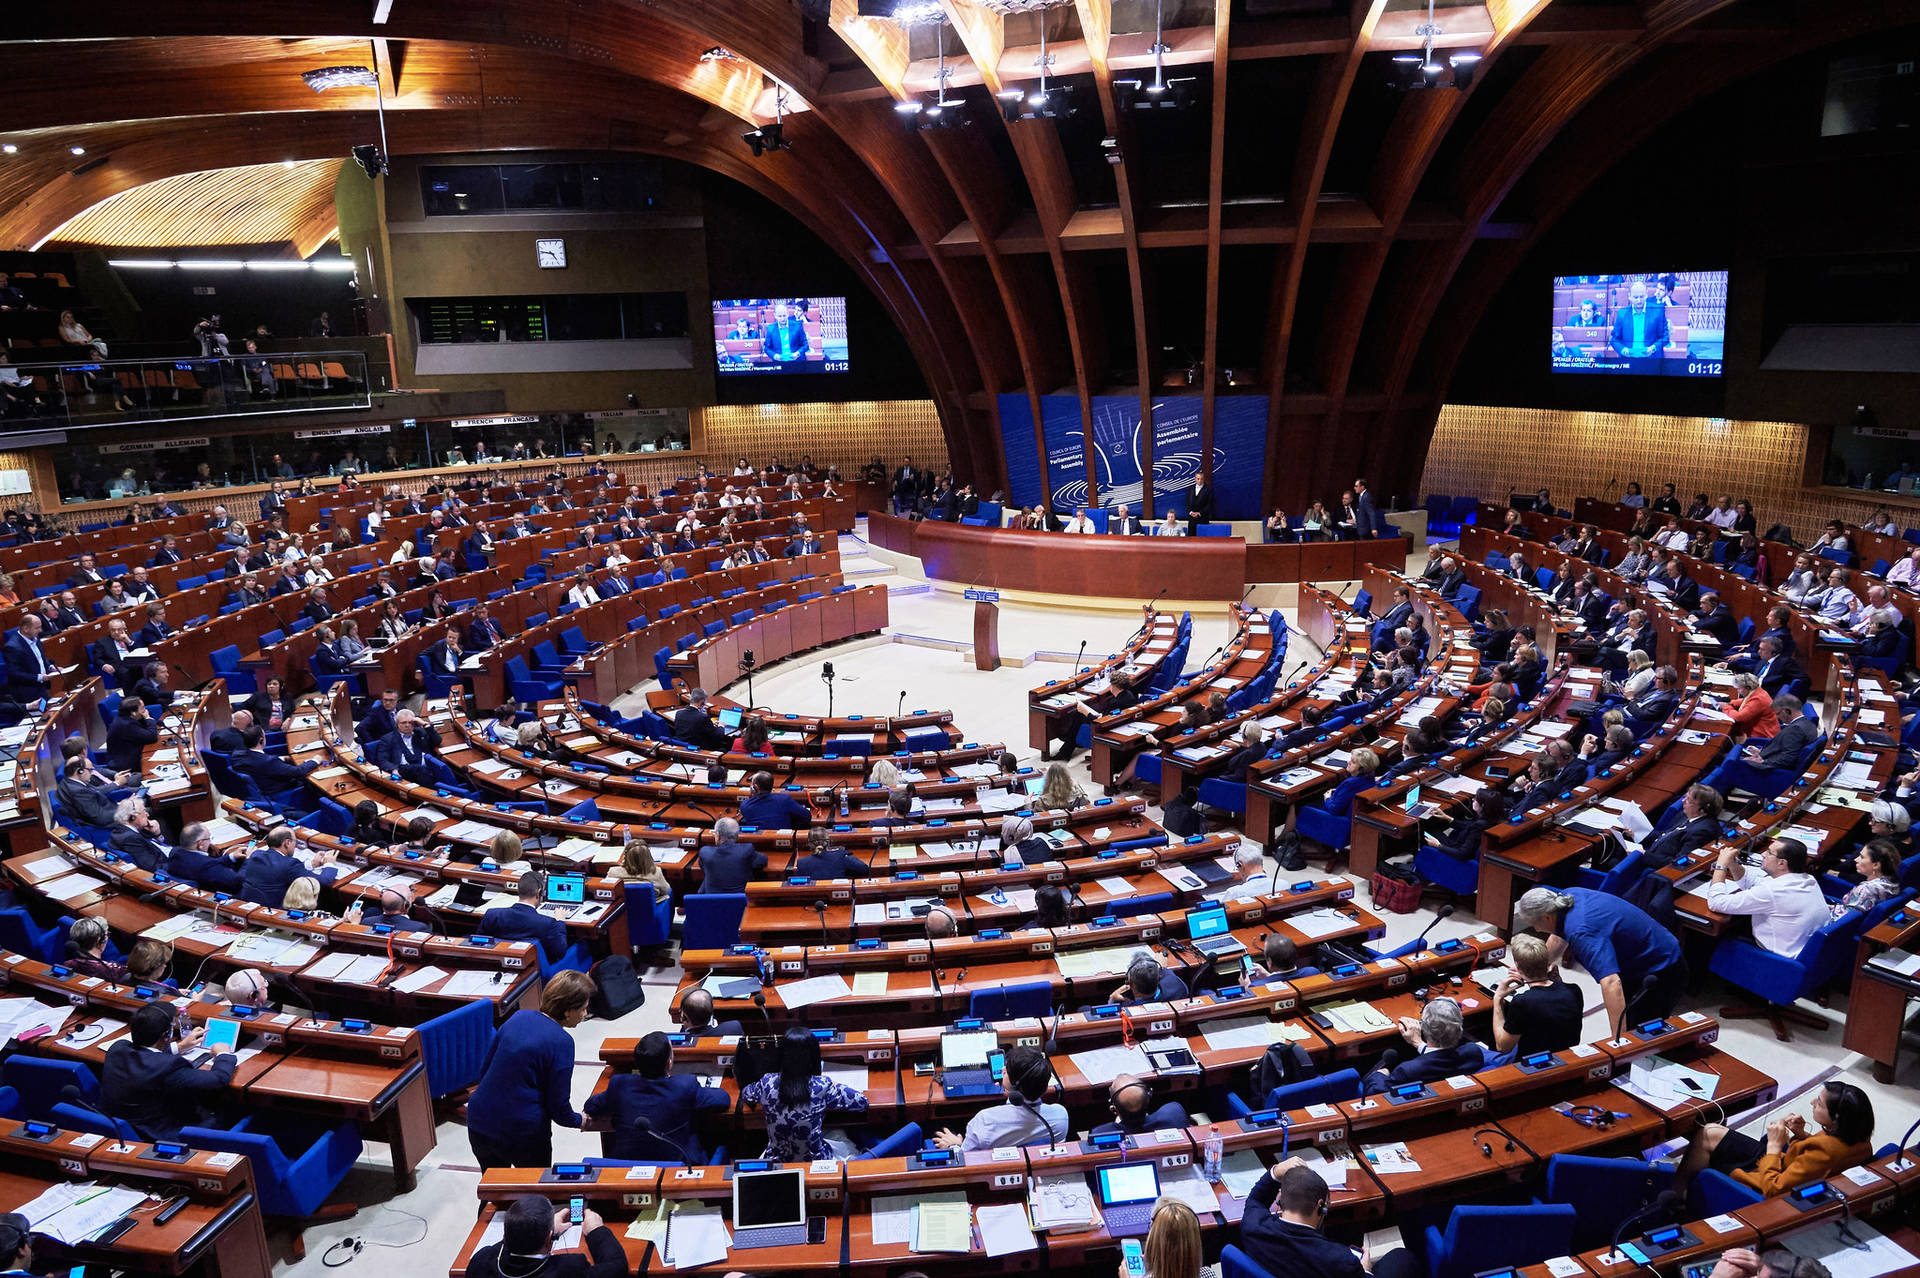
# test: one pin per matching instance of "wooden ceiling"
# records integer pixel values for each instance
(290, 203)
(1374, 223)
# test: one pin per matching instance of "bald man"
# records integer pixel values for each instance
(391, 914)
(1129, 1098)
(247, 988)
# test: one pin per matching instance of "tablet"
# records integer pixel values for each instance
(222, 1032)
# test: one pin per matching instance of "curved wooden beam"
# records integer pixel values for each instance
(1216, 216)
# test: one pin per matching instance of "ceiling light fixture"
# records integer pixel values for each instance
(918, 13)
(1162, 92)
(78, 150)
(354, 77)
(1043, 102)
(771, 137)
(717, 54)
(9, 149)
(943, 112)
(1424, 71)
(371, 158)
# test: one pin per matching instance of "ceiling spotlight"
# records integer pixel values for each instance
(286, 164)
(1110, 149)
(78, 150)
(1430, 72)
(340, 78)
(917, 13)
(1010, 102)
(716, 54)
(368, 157)
(1143, 94)
(911, 107)
(1464, 65)
(1423, 70)
(770, 137)
(9, 149)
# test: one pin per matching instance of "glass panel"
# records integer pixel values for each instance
(460, 188)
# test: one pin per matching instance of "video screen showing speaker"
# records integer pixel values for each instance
(755, 336)
(1660, 324)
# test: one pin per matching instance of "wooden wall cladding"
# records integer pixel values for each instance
(1484, 451)
(849, 434)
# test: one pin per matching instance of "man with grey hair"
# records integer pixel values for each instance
(136, 834)
(1638, 963)
(1441, 1046)
(729, 865)
(1148, 982)
(1249, 875)
(695, 726)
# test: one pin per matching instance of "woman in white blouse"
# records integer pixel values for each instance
(1906, 572)
(1169, 526)
(393, 623)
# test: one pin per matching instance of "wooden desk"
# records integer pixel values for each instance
(1211, 569)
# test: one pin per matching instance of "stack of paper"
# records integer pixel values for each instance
(1082, 964)
(814, 989)
(1240, 1171)
(73, 1213)
(1390, 1159)
(1003, 1229)
(1356, 1017)
(942, 1223)
(414, 982)
(1320, 922)
(1187, 1185)
(1061, 1202)
(696, 1236)
(1102, 1065)
(472, 984)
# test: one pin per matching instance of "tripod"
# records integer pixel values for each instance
(826, 674)
(747, 668)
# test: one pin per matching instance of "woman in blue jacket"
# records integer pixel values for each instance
(527, 1084)
(1362, 767)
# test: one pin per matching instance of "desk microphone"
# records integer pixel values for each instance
(1666, 1200)
(1078, 655)
(1902, 1147)
(937, 974)
(820, 908)
(760, 1001)
(1443, 912)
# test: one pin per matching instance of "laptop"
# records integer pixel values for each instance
(1417, 810)
(566, 889)
(1208, 928)
(730, 719)
(964, 1066)
(1127, 1194)
(770, 1208)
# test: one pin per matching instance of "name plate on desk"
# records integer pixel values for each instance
(983, 596)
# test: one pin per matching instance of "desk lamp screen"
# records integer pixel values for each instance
(769, 1198)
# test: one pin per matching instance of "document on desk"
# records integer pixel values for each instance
(1332, 1170)
(1321, 922)
(415, 981)
(365, 969)
(57, 864)
(1849, 1249)
(1187, 1185)
(1021, 899)
(866, 912)
(1102, 1065)
(1391, 1159)
(1895, 961)
(1061, 1202)
(1356, 1017)
(1665, 1079)
(24, 1015)
(891, 1217)
(1003, 1229)
(1236, 1032)
(942, 1223)
(870, 984)
(698, 1237)
(852, 1075)
(1114, 885)
(71, 887)
(471, 984)
(1080, 964)
(79, 1214)
(814, 989)
(223, 831)
(258, 947)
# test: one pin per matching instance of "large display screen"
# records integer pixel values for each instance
(764, 335)
(1660, 324)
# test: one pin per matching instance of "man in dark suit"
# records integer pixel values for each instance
(1440, 1045)
(29, 670)
(1666, 503)
(86, 574)
(1689, 825)
(132, 731)
(136, 835)
(270, 870)
(379, 719)
(411, 749)
(168, 509)
(111, 655)
(139, 585)
(233, 738)
(1370, 523)
(1716, 619)
(1589, 604)
(288, 582)
(443, 658)
(729, 865)
(480, 543)
(523, 921)
(653, 1105)
(383, 587)
(392, 913)
(769, 811)
(1566, 770)
(317, 608)
(326, 654)
(1775, 669)
(156, 630)
(1392, 619)
(694, 724)
(194, 860)
(274, 775)
(1199, 504)
(159, 1093)
(69, 612)
(151, 687)
(274, 502)
(1652, 708)
(1289, 1241)
(483, 631)
(169, 552)
(86, 793)
(1639, 327)
(906, 487)
(1122, 522)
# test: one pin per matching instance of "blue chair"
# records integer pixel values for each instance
(327, 680)
(226, 664)
(79, 1119)
(1310, 821)
(1213, 530)
(585, 810)
(1713, 1193)
(1215, 792)
(713, 920)
(1129, 906)
(330, 818)
(21, 935)
(927, 739)
(661, 656)
(1009, 1002)
(1482, 1238)
(524, 685)
(1462, 878)
(898, 1145)
(649, 922)
(1327, 1089)
(1603, 1191)
(435, 685)
(1780, 981)
(1235, 1263)
(454, 1046)
(41, 1083)
(578, 958)
(294, 1187)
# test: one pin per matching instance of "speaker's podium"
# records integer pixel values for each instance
(986, 629)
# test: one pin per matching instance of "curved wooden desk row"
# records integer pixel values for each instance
(1451, 1167)
(714, 662)
(624, 658)
(1187, 758)
(213, 928)
(219, 1232)
(1185, 568)
(1086, 964)
(1145, 650)
(796, 910)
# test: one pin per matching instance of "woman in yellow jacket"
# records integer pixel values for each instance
(1841, 1136)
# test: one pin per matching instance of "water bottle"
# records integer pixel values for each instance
(1210, 1154)
(843, 803)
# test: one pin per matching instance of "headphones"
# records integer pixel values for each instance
(1486, 1146)
(1597, 1116)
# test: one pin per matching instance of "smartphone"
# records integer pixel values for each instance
(1134, 1259)
(997, 1063)
(576, 1210)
